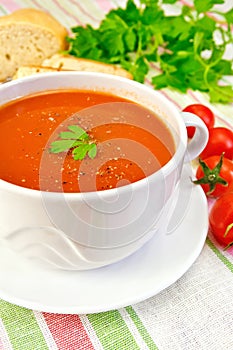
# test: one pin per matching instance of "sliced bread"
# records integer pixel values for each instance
(25, 71)
(27, 37)
(68, 62)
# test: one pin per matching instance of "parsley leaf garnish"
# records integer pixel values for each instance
(136, 36)
(76, 140)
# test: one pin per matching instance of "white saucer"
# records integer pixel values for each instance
(163, 260)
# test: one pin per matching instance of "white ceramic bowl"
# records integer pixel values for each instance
(88, 230)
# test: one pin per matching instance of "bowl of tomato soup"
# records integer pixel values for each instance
(89, 163)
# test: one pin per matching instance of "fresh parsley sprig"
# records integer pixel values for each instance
(184, 45)
(76, 140)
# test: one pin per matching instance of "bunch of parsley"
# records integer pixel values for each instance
(184, 45)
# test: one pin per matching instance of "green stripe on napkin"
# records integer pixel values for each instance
(22, 328)
(112, 331)
(140, 327)
(2, 10)
(222, 257)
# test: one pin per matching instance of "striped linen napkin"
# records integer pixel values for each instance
(194, 313)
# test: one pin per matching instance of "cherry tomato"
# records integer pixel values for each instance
(220, 141)
(215, 175)
(221, 219)
(204, 113)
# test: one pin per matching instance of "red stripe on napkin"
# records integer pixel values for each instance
(68, 332)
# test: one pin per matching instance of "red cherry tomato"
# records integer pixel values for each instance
(220, 141)
(221, 220)
(215, 176)
(204, 113)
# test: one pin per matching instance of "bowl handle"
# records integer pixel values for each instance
(200, 138)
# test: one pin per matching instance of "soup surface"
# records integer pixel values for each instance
(131, 141)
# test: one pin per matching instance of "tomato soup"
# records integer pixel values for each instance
(131, 141)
